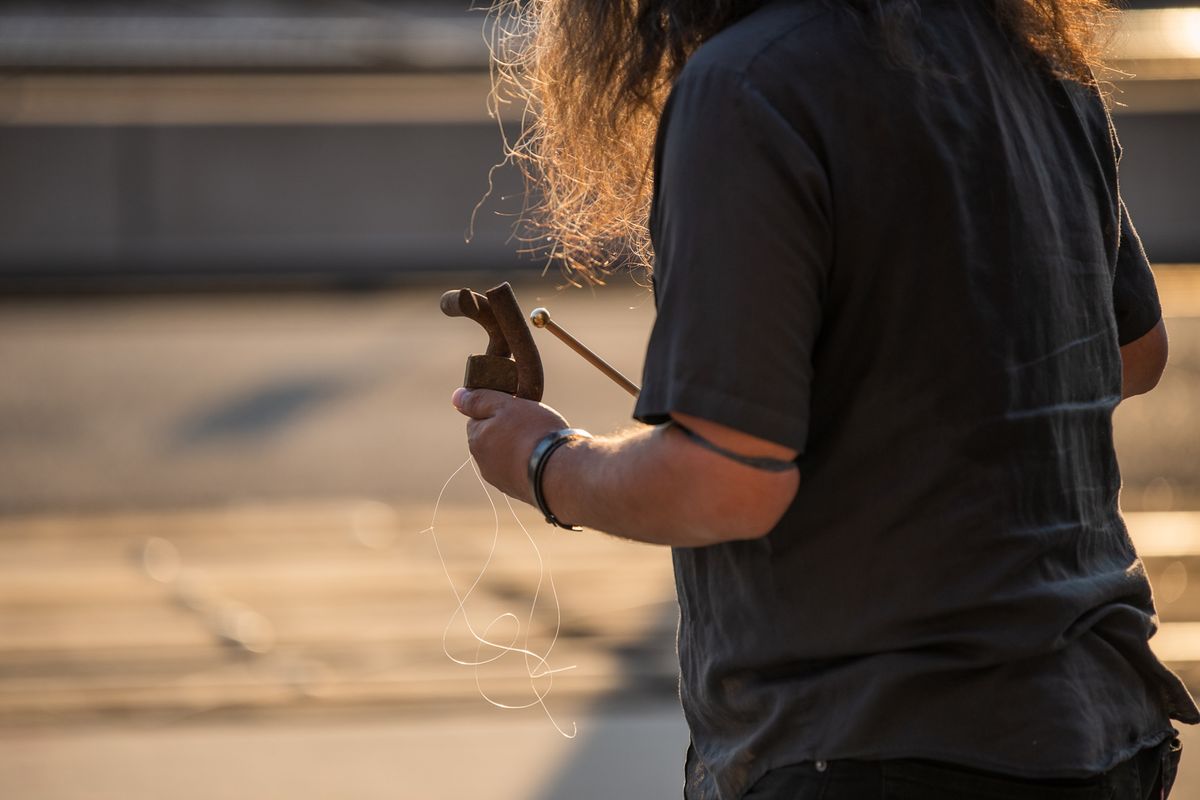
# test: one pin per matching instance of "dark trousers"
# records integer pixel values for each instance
(1146, 776)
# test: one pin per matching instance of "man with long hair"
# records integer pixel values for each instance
(899, 297)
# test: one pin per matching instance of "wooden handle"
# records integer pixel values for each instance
(530, 379)
(472, 305)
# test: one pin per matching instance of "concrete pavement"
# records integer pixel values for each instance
(216, 579)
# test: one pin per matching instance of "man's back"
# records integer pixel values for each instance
(928, 257)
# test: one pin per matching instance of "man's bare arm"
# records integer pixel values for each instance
(1143, 361)
(651, 484)
(655, 485)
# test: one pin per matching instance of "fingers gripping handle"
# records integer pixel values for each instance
(508, 333)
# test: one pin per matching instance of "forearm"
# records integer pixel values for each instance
(651, 485)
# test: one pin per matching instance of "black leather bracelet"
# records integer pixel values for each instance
(537, 468)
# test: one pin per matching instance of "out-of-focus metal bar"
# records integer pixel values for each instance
(247, 99)
(1167, 39)
(393, 38)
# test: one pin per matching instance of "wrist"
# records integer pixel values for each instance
(538, 461)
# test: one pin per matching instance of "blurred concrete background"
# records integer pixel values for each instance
(217, 578)
(285, 142)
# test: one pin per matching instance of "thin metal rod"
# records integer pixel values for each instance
(540, 318)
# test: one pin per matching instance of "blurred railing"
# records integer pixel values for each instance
(274, 36)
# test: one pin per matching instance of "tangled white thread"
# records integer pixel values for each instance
(536, 665)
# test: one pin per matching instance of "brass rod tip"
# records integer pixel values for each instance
(539, 317)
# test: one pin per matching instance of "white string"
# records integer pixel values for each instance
(536, 665)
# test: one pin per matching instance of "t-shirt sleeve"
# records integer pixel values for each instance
(1135, 297)
(743, 244)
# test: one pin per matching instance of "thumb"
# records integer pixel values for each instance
(476, 403)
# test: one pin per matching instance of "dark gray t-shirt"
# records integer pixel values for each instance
(921, 283)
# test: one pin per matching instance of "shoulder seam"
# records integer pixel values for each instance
(774, 40)
(744, 69)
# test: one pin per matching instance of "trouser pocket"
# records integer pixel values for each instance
(1172, 751)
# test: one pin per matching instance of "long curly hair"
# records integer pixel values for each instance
(590, 78)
